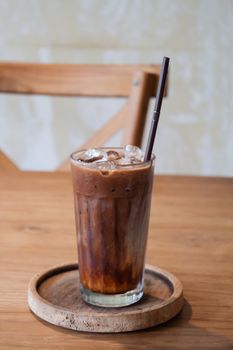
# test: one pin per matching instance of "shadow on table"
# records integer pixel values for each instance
(177, 333)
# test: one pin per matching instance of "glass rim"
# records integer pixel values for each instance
(90, 165)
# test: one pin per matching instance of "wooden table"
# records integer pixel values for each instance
(191, 235)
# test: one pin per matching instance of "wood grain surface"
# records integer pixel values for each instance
(191, 235)
(72, 79)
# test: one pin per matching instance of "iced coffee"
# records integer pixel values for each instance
(112, 194)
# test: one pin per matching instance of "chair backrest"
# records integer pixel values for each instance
(6, 165)
(137, 82)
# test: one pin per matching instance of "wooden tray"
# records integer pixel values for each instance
(54, 296)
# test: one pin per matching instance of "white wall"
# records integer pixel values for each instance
(196, 127)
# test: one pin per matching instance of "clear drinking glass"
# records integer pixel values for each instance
(112, 209)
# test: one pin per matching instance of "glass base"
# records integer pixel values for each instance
(112, 300)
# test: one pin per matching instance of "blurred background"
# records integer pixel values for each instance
(195, 134)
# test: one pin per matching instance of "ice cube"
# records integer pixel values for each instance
(128, 161)
(113, 155)
(93, 159)
(94, 155)
(123, 161)
(92, 152)
(133, 152)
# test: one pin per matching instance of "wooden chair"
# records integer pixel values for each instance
(6, 165)
(137, 82)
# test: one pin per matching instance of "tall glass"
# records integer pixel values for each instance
(112, 209)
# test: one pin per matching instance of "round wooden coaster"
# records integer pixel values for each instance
(54, 296)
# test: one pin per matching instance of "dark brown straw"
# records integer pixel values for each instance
(158, 104)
